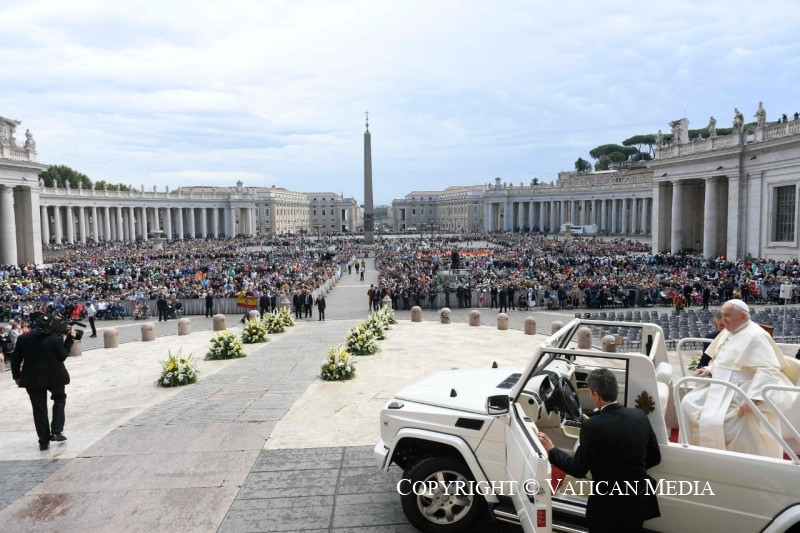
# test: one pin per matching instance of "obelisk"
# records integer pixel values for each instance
(369, 213)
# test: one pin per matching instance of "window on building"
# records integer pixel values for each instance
(323, 212)
(784, 209)
(315, 212)
(266, 212)
(414, 211)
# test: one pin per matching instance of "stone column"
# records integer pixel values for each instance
(95, 224)
(8, 249)
(230, 221)
(45, 224)
(677, 217)
(603, 226)
(179, 223)
(575, 212)
(81, 224)
(191, 231)
(131, 224)
(626, 215)
(710, 218)
(553, 220)
(542, 215)
(647, 208)
(70, 224)
(120, 232)
(214, 222)
(57, 225)
(143, 223)
(168, 223)
(613, 226)
(635, 216)
(107, 224)
(203, 225)
(735, 219)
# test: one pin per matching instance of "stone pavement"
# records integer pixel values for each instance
(258, 444)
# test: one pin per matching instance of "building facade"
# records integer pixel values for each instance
(733, 195)
(619, 202)
(32, 214)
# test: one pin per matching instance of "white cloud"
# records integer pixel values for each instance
(458, 91)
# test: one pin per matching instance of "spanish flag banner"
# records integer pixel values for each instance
(249, 302)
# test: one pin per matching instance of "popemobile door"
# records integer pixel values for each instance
(527, 469)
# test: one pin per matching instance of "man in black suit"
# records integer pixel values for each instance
(161, 306)
(209, 304)
(617, 445)
(263, 303)
(38, 365)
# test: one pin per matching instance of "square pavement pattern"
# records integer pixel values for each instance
(330, 490)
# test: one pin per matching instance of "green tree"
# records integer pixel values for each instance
(642, 143)
(582, 166)
(62, 174)
(602, 163)
(608, 149)
(98, 186)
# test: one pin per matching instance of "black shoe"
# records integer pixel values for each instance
(58, 437)
(92, 336)
(44, 445)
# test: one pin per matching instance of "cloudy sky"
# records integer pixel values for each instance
(274, 92)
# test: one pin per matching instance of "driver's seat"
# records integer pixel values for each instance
(663, 379)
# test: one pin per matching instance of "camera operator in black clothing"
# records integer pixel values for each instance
(38, 366)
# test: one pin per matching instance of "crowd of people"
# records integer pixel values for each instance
(523, 271)
(106, 274)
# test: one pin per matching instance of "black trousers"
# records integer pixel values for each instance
(91, 325)
(40, 419)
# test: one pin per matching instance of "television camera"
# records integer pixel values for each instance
(55, 323)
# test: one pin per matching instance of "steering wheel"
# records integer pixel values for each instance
(565, 398)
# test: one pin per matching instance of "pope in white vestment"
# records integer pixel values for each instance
(747, 357)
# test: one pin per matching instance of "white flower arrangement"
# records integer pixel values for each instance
(361, 340)
(338, 366)
(274, 322)
(254, 331)
(285, 317)
(386, 315)
(178, 370)
(225, 345)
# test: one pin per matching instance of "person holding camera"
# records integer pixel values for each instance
(38, 366)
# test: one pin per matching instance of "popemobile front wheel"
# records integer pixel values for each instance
(438, 496)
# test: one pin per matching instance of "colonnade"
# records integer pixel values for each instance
(82, 223)
(615, 216)
(694, 213)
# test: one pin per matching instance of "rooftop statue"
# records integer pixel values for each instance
(712, 127)
(30, 142)
(738, 121)
(761, 115)
(659, 139)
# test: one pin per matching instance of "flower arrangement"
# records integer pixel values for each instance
(285, 317)
(693, 363)
(254, 331)
(274, 322)
(361, 340)
(226, 345)
(178, 370)
(387, 315)
(338, 366)
(376, 325)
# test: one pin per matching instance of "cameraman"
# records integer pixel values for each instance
(41, 354)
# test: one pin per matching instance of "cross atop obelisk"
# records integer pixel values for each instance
(369, 213)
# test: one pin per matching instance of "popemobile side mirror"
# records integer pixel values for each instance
(497, 405)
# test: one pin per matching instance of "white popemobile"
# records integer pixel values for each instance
(466, 438)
